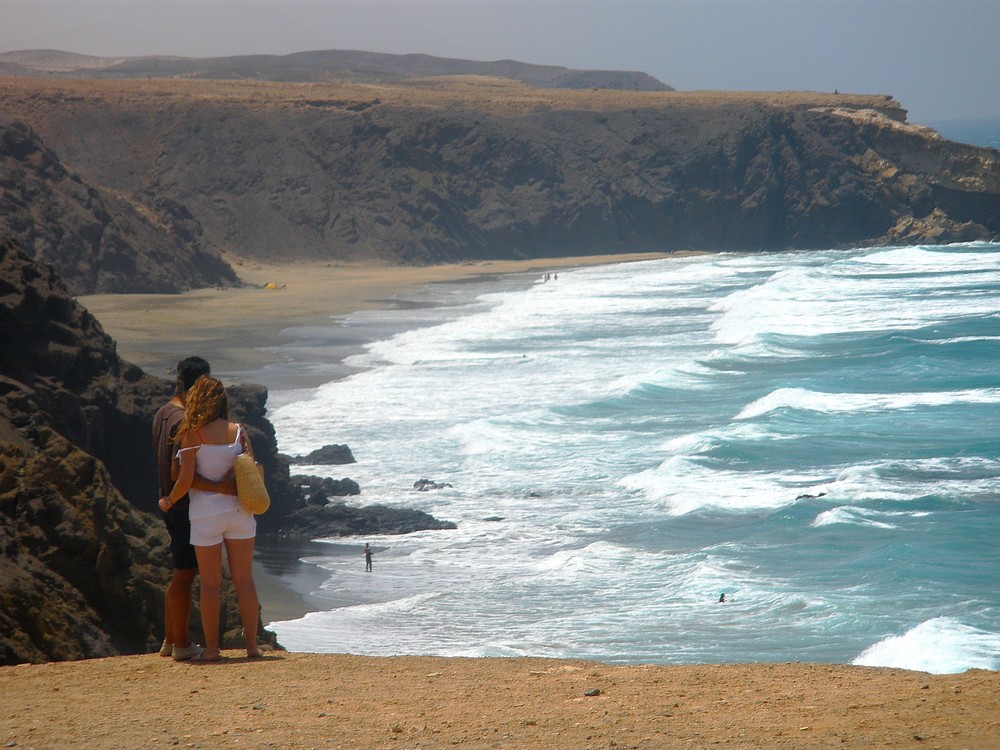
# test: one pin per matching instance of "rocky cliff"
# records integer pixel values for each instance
(99, 238)
(83, 559)
(82, 569)
(449, 169)
(82, 573)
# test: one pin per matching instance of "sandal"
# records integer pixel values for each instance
(202, 659)
(187, 652)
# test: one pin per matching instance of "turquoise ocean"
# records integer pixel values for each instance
(814, 434)
(976, 131)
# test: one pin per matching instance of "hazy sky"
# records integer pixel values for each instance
(939, 58)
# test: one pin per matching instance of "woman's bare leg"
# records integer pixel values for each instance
(240, 555)
(210, 570)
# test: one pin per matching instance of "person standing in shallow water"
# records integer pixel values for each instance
(177, 600)
(208, 445)
(368, 557)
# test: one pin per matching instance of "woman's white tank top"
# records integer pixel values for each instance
(213, 462)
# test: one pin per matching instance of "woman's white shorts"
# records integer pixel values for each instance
(233, 524)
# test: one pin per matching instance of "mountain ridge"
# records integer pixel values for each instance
(319, 65)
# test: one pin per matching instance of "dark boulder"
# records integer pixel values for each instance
(340, 519)
(318, 490)
(328, 455)
(423, 485)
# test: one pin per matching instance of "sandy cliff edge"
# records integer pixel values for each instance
(291, 700)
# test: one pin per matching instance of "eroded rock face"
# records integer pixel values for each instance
(417, 176)
(83, 572)
(99, 240)
(60, 370)
(84, 557)
(83, 569)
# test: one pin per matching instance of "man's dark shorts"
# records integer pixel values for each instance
(179, 528)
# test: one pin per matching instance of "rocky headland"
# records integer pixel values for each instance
(424, 170)
(98, 238)
(84, 556)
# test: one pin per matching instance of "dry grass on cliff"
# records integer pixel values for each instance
(497, 95)
(290, 700)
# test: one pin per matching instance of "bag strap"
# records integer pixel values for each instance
(244, 440)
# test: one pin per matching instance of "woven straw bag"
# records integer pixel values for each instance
(250, 484)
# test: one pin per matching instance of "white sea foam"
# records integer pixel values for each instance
(855, 515)
(964, 340)
(971, 478)
(680, 485)
(641, 442)
(930, 258)
(811, 301)
(942, 645)
(801, 398)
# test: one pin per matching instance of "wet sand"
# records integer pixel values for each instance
(238, 329)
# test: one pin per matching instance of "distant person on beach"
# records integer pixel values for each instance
(208, 444)
(722, 598)
(368, 557)
(177, 601)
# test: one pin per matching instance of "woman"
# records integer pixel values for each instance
(208, 443)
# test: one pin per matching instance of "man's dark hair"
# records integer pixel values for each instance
(189, 370)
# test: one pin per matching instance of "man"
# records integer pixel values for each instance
(177, 602)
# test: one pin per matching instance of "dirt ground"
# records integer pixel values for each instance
(293, 700)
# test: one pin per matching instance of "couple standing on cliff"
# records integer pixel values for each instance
(195, 446)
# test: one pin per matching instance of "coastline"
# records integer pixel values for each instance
(299, 700)
(285, 584)
(238, 329)
(246, 333)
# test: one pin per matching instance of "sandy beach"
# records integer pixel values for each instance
(233, 328)
(293, 700)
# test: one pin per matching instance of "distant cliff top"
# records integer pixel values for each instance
(497, 95)
(319, 66)
(168, 173)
